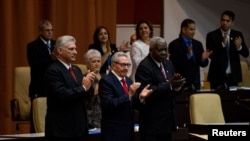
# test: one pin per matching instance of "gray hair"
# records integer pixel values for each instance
(115, 57)
(90, 54)
(157, 41)
(62, 41)
(42, 23)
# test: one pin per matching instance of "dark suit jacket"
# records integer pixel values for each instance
(117, 111)
(219, 59)
(157, 114)
(66, 113)
(188, 68)
(99, 48)
(39, 59)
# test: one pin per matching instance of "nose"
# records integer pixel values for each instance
(75, 52)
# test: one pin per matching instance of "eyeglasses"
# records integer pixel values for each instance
(162, 49)
(123, 64)
(48, 30)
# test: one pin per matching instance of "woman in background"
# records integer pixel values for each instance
(93, 61)
(102, 43)
(140, 48)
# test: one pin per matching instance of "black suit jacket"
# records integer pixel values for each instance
(66, 113)
(157, 113)
(39, 60)
(99, 48)
(117, 109)
(188, 68)
(219, 61)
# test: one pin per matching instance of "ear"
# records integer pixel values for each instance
(182, 30)
(232, 23)
(59, 50)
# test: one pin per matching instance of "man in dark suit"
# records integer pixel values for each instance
(188, 55)
(227, 45)
(39, 58)
(117, 100)
(157, 112)
(66, 117)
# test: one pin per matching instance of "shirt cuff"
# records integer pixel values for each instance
(142, 100)
(84, 87)
(240, 48)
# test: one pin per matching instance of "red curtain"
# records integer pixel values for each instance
(19, 23)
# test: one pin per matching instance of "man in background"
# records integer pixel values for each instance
(227, 45)
(40, 56)
(188, 55)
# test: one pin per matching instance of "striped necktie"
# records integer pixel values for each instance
(163, 71)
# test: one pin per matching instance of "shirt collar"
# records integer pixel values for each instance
(228, 32)
(157, 63)
(118, 77)
(44, 41)
(187, 41)
(66, 65)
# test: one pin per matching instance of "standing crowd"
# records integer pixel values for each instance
(143, 76)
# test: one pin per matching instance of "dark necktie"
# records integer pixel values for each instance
(189, 43)
(124, 85)
(163, 71)
(72, 73)
(226, 42)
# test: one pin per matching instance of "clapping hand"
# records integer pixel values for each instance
(206, 54)
(177, 81)
(133, 87)
(88, 80)
(237, 42)
(145, 92)
(124, 45)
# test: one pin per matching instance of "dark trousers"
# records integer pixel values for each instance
(229, 81)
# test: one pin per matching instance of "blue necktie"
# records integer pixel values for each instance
(49, 47)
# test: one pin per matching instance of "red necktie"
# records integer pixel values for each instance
(124, 85)
(163, 71)
(72, 73)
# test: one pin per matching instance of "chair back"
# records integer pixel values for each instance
(205, 108)
(83, 68)
(244, 71)
(20, 105)
(39, 112)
